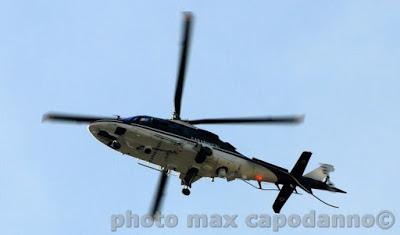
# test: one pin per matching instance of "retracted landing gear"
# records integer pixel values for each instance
(188, 179)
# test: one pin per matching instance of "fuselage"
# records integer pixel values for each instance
(173, 145)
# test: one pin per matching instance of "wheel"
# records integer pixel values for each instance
(186, 191)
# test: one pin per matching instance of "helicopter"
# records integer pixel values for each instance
(178, 145)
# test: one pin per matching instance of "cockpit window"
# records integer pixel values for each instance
(130, 120)
(145, 119)
(139, 119)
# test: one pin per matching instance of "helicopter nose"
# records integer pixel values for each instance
(97, 127)
(106, 132)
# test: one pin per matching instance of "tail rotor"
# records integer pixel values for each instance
(316, 179)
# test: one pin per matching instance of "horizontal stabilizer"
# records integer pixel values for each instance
(336, 190)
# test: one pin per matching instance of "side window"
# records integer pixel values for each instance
(134, 120)
(175, 128)
(188, 132)
(161, 124)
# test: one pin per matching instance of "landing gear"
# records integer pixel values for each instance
(188, 179)
(222, 172)
(186, 191)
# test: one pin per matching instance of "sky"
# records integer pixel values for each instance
(336, 62)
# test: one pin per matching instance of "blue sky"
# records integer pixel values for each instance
(337, 62)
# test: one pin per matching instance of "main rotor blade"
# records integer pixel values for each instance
(62, 117)
(158, 199)
(182, 65)
(250, 120)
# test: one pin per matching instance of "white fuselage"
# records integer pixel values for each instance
(178, 153)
